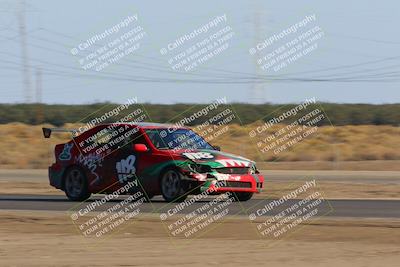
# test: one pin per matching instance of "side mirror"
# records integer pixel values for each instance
(140, 148)
(218, 148)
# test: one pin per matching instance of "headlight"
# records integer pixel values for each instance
(253, 169)
(193, 167)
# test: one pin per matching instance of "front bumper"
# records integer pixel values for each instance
(220, 183)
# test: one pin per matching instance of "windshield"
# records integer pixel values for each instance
(177, 139)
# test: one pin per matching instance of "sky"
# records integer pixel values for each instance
(355, 58)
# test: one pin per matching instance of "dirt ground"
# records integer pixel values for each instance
(50, 239)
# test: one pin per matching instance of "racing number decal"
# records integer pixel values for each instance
(125, 168)
(198, 155)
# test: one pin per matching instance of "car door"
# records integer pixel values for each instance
(126, 164)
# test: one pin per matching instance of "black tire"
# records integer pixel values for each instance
(242, 196)
(75, 184)
(172, 186)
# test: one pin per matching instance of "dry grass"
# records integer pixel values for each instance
(23, 146)
(342, 143)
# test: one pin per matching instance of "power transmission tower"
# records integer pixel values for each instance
(39, 106)
(257, 89)
(24, 50)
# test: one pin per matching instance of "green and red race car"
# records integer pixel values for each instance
(163, 159)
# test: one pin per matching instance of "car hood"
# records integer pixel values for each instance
(214, 158)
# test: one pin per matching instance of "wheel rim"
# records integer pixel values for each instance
(171, 184)
(74, 183)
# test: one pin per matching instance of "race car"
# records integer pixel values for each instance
(163, 159)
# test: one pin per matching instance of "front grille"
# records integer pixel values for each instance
(203, 168)
(237, 184)
(233, 170)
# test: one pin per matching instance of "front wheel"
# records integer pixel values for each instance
(172, 186)
(242, 196)
(75, 185)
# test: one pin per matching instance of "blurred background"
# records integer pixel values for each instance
(353, 74)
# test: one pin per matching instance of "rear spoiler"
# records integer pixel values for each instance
(47, 131)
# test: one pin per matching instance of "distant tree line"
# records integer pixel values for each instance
(338, 114)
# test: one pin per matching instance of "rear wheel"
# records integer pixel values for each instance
(172, 186)
(242, 196)
(75, 185)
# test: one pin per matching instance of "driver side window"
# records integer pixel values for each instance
(136, 138)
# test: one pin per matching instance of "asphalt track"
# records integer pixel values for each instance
(329, 208)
